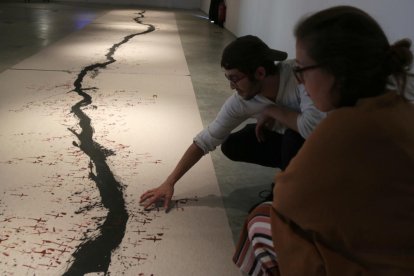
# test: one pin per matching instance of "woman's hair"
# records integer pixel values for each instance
(351, 45)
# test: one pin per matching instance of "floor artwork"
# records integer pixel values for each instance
(87, 125)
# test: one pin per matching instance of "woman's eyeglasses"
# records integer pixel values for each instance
(298, 71)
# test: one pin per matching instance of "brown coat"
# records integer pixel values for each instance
(345, 204)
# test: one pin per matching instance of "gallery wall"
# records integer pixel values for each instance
(274, 20)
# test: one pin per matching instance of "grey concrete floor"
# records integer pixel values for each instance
(26, 28)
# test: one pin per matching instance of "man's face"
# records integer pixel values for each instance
(245, 87)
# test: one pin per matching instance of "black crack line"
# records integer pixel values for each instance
(94, 254)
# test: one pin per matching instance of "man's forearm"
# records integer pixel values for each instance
(283, 115)
(191, 156)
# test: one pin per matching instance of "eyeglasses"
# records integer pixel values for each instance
(235, 79)
(298, 71)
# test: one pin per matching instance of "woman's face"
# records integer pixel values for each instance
(318, 82)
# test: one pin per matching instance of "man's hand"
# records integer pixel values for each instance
(166, 190)
(164, 193)
(264, 122)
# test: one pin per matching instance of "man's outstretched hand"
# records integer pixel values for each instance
(163, 193)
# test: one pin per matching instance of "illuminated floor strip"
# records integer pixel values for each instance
(141, 116)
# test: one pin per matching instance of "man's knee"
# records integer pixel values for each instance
(292, 142)
(238, 142)
(293, 135)
(228, 149)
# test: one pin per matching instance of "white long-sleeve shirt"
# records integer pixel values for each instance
(236, 110)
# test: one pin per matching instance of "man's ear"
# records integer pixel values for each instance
(260, 73)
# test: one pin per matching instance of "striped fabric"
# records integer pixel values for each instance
(254, 252)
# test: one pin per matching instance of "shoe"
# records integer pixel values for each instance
(265, 195)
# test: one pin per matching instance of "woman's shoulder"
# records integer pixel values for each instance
(372, 113)
(345, 120)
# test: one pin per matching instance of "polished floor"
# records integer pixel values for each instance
(30, 27)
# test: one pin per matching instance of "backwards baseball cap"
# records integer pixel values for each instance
(247, 50)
